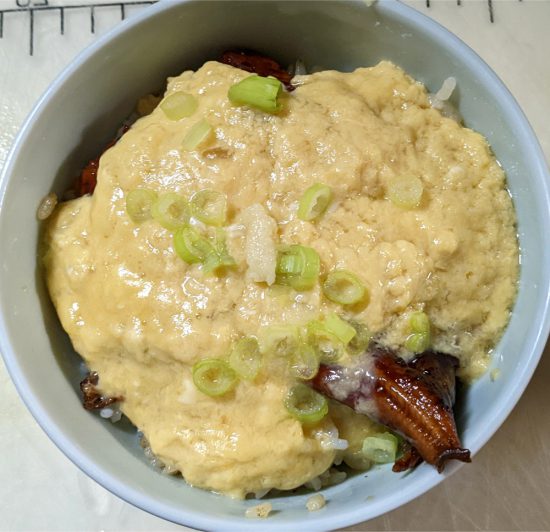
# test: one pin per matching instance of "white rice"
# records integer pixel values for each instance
(297, 69)
(446, 90)
(111, 413)
(259, 511)
(338, 458)
(300, 68)
(440, 100)
(332, 476)
(315, 502)
(314, 484)
(47, 206)
(329, 440)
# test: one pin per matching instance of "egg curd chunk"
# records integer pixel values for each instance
(142, 317)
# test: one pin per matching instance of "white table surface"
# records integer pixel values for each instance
(508, 485)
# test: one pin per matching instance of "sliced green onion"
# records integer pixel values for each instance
(305, 405)
(220, 257)
(314, 202)
(381, 448)
(171, 211)
(191, 246)
(179, 105)
(344, 288)
(210, 207)
(280, 340)
(417, 342)
(420, 339)
(340, 328)
(138, 204)
(214, 377)
(360, 342)
(327, 345)
(298, 267)
(199, 134)
(258, 92)
(405, 191)
(420, 323)
(214, 262)
(303, 362)
(245, 358)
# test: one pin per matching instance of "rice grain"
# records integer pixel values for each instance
(315, 502)
(259, 511)
(47, 206)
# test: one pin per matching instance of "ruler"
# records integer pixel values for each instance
(38, 38)
(33, 8)
(490, 8)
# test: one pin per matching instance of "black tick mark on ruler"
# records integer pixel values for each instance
(490, 7)
(35, 6)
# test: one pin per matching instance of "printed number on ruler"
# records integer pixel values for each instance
(33, 7)
(28, 3)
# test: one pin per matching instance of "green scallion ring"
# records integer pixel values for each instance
(420, 339)
(171, 211)
(381, 448)
(245, 358)
(191, 246)
(215, 262)
(214, 377)
(340, 328)
(314, 202)
(179, 105)
(210, 207)
(219, 258)
(198, 135)
(139, 203)
(327, 345)
(303, 362)
(305, 404)
(405, 191)
(417, 342)
(360, 342)
(298, 267)
(420, 323)
(279, 340)
(258, 92)
(344, 287)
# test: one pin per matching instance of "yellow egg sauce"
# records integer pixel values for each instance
(142, 317)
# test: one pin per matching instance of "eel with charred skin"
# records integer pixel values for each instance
(257, 64)
(92, 398)
(414, 399)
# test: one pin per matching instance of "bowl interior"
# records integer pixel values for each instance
(83, 109)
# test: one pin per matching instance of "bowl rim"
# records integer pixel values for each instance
(198, 519)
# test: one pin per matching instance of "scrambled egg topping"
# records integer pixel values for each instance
(141, 317)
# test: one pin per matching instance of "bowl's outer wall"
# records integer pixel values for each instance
(83, 109)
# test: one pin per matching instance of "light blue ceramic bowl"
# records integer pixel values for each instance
(80, 112)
